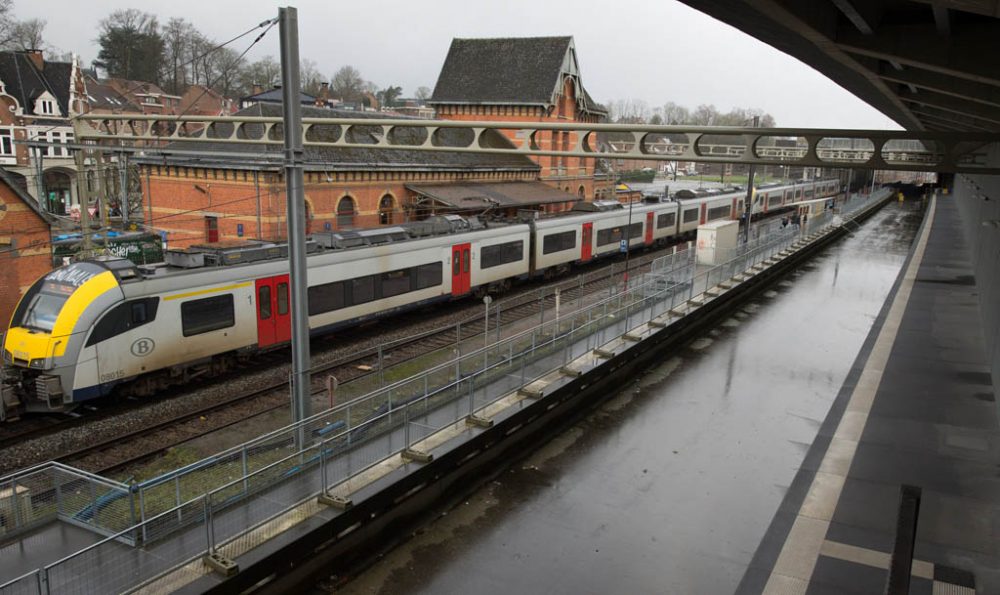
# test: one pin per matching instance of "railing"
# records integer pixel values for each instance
(327, 452)
(51, 491)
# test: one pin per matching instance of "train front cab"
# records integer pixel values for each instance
(48, 330)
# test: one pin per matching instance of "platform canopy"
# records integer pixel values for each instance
(927, 64)
(502, 195)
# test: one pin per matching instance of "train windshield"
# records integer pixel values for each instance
(41, 305)
(43, 310)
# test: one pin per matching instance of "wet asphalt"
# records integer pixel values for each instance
(669, 486)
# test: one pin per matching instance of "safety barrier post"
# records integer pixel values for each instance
(209, 529)
(246, 469)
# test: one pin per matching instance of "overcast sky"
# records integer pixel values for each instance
(654, 50)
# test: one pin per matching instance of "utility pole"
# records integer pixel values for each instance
(748, 210)
(123, 187)
(295, 193)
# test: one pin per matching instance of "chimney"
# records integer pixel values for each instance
(324, 95)
(257, 89)
(36, 58)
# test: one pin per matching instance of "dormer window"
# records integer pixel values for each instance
(45, 105)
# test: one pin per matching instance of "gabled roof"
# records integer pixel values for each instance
(274, 96)
(137, 87)
(249, 156)
(509, 70)
(521, 70)
(102, 96)
(25, 82)
(7, 180)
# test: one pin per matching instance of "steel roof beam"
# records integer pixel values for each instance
(946, 85)
(989, 8)
(952, 104)
(919, 46)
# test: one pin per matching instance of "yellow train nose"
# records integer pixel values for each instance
(29, 348)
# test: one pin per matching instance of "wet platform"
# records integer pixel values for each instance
(43, 546)
(917, 409)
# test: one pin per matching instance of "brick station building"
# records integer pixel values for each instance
(526, 79)
(241, 193)
(25, 244)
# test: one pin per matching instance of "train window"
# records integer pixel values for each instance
(465, 260)
(362, 290)
(557, 242)
(798, 193)
(208, 314)
(666, 220)
(395, 282)
(429, 275)
(326, 297)
(774, 200)
(124, 317)
(456, 262)
(264, 301)
(719, 212)
(513, 251)
(635, 230)
(691, 216)
(498, 254)
(609, 236)
(282, 299)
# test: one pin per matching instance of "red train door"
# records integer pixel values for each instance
(461, 266)
(704, 213)
(649, 229)
(735, 214)
(274, 317)
(586, 241)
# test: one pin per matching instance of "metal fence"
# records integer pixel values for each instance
(52, 491)
(275, 478)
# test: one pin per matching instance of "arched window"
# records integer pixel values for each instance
(346, 212)
(386, 206)
(582, 192)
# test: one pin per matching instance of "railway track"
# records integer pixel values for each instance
(115, 455)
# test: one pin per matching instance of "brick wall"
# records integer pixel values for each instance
(179, 199)
(25, 250)
(570, 174)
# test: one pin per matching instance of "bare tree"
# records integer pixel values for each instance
(423, 93)
(347, 84)
(705, 115)
(179, 36)
(28, 35)
(7, 22)
(310, 77)
(263, 72)
(675, 114)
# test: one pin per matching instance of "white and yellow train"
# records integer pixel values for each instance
(95, 327)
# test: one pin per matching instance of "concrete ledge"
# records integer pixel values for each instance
(338, 502)
(657, 324)
(571, 372)
(221, 564)
(632, 337)
(531, 393)
(478, 422)
(416, 456)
